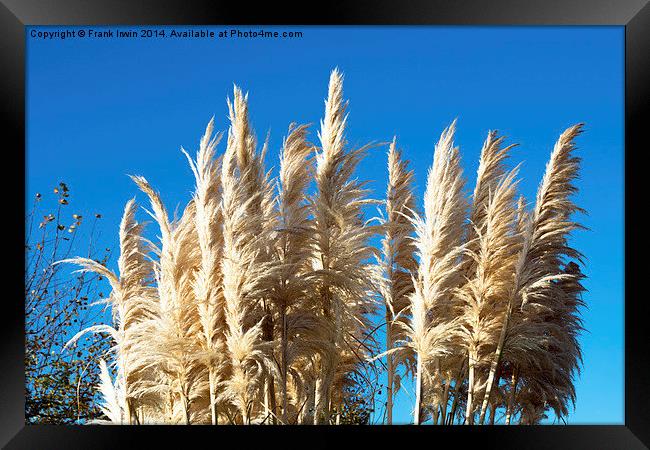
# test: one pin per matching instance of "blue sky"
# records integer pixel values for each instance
(99, 109)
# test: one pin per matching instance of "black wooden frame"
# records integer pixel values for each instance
(634, 15)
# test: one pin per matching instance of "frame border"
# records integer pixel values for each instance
(634, 15)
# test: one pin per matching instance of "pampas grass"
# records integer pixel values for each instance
(484, 293)
(398, 264)
(341, 250)
(131, 303)
(298, 325)
(208, 279)
(260, 304)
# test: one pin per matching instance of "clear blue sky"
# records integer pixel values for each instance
(98, 109)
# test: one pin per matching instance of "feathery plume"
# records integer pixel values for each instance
(341, 246)
(207, 284)
(484, 293)
(398, 263)
(438, 243)
(524, 340)
(244, 247)
(174, 332)
(132, 302)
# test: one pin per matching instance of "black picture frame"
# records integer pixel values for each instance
(634, 15)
